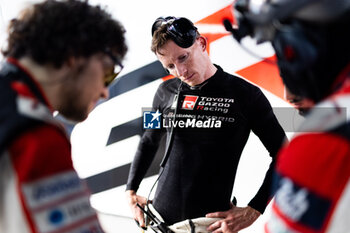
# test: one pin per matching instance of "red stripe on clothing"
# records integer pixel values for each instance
(25, 70)
(36, 154)
(51, 205)
(25, 208)
(22, 89)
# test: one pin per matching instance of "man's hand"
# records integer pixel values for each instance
(234, 219)
(133, 199)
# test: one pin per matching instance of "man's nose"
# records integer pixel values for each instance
(181, 70)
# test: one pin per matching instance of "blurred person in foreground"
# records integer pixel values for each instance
(195, 184)
(312, 177)
(60, 56)
(302, 104)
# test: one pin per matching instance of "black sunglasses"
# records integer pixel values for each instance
(118, 67)
(181, 30)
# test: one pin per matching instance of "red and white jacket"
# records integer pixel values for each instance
(39, 189)
(313, 172)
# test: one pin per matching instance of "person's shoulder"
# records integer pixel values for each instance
(239, 80)
(170, 85)
(301, 155)
(44, 137)
(234, 82)
(44, 147)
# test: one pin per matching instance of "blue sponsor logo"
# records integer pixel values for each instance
(56, 217)
(151, 120)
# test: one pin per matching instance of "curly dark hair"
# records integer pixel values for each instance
(52, 31)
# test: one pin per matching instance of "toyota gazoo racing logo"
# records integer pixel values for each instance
(189, 102)
(214, 104)
(209, 104)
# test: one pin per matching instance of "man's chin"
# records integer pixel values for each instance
(192, 83)
(74, 118)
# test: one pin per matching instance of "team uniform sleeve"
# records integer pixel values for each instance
(313, 185)
(266, 126)
(51, 195)
(147, 147)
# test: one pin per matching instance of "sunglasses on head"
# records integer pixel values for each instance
(181, 30)
(115, 71)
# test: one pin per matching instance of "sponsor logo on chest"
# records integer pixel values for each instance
(210, 104)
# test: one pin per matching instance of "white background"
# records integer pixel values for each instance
(90, 155)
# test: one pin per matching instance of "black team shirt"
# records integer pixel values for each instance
(214, 121)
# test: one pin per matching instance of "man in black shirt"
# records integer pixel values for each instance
(215, 112)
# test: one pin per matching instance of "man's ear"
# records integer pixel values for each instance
(202, 42)
(77, 64)
(71, 61)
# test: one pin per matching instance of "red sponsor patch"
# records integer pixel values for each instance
(189, 102)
